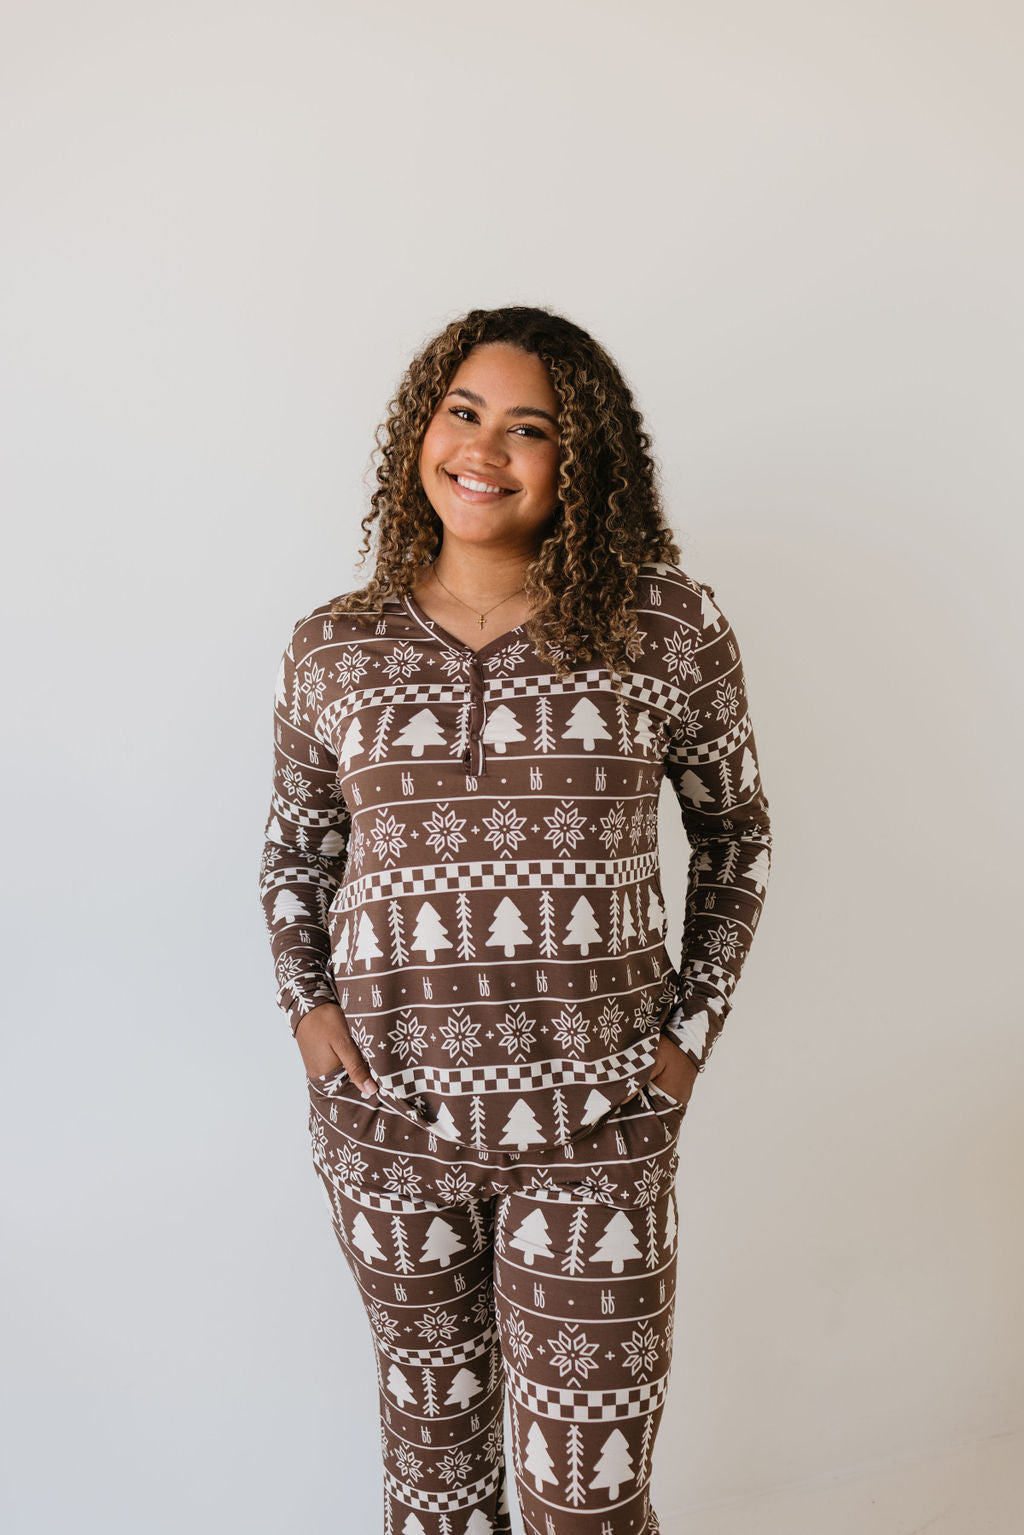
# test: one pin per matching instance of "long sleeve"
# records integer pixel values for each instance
(711, 762)
(306, 832)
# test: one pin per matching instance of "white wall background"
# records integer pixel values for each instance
(224, 229)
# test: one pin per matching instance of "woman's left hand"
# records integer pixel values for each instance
(673, 1072)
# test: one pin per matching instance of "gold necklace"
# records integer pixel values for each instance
(483, 615)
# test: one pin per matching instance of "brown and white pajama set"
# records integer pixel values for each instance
(462, 852)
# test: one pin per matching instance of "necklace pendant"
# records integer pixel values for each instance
(482, 617)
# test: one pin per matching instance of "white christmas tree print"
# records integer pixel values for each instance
(464, 1388)
(352, 745)
(538, 1459)
(692, 788)
(574, 1487)
(617, 1244)
(422, 730)
(533, 1237)
(367, 947)
(582, 928)
(596, 1105)
(627, 930)
(758, 870)
(586, 725)
(364, 1239)
(693, 1034)
(339, 954)
(644, 736)
(501, 727)
(670, 1222)
(710, 616)
(655, 911)
(508, 928)
(430, 934)
(289, 908)
(399, 1387)
(444, 1125)
(521, 1128)
(544, 740)
(479, 1524)
(413, 1526)
(615, 1465)
(441, 1242)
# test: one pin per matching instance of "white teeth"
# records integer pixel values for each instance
(477, 484)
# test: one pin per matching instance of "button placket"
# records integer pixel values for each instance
(474, 753)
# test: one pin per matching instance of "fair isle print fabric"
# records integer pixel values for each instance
(462, 852)
(548, 1278)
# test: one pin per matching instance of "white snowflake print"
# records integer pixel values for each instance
(609, 1024)
(384, 1325)
(361, 1036)
(351, 1165)
(505, 828)
(518, 1340)
(571, 1032)
(724, 943)
(444, 831)
(516, 1033)
(598, 1187)
(670, 1332)
(438, 1326)
(679, 654)
(643, 1014)
(455, 663)
(409, 1468)
(482, 1310)
(318, 1137)
(572, 1354)
(402, 1180)
(612, 827)
(636, 826)
(454, 1467)
(356, 848)
(565, 827)
(349, 670)
(296, 788)
(460, 1036)
(641, 1351)
(312, 684)
(408, 1038)
(494, 1444)
(726, 703)
(635, 646)
(687, 725)
(508, 657)
(455, 1187)
(648, 1186)
(651, 824)
(402, 662)
(386, 834)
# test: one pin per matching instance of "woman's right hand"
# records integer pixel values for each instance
(325, 1044)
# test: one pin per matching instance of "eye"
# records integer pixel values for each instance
(461, 410)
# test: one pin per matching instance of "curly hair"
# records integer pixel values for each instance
(609, 517)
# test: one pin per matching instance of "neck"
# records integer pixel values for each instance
(482, 576)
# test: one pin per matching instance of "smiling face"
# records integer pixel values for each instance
(496, 428)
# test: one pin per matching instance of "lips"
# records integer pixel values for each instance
(478, 495)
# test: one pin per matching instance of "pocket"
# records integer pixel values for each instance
(329, 1082)
(676, 1103)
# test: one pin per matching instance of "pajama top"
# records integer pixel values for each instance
(462, 852)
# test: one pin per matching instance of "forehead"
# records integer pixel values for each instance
(504, 375)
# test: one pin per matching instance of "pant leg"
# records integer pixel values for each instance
(585, 1269)
(424, 1270)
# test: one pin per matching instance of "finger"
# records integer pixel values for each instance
(354, 1064)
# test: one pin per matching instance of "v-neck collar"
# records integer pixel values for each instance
(450, 639)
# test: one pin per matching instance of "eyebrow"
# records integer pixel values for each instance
(513, 410)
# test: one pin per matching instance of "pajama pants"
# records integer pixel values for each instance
(549, 1274)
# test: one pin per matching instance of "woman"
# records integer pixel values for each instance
(461, 886)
